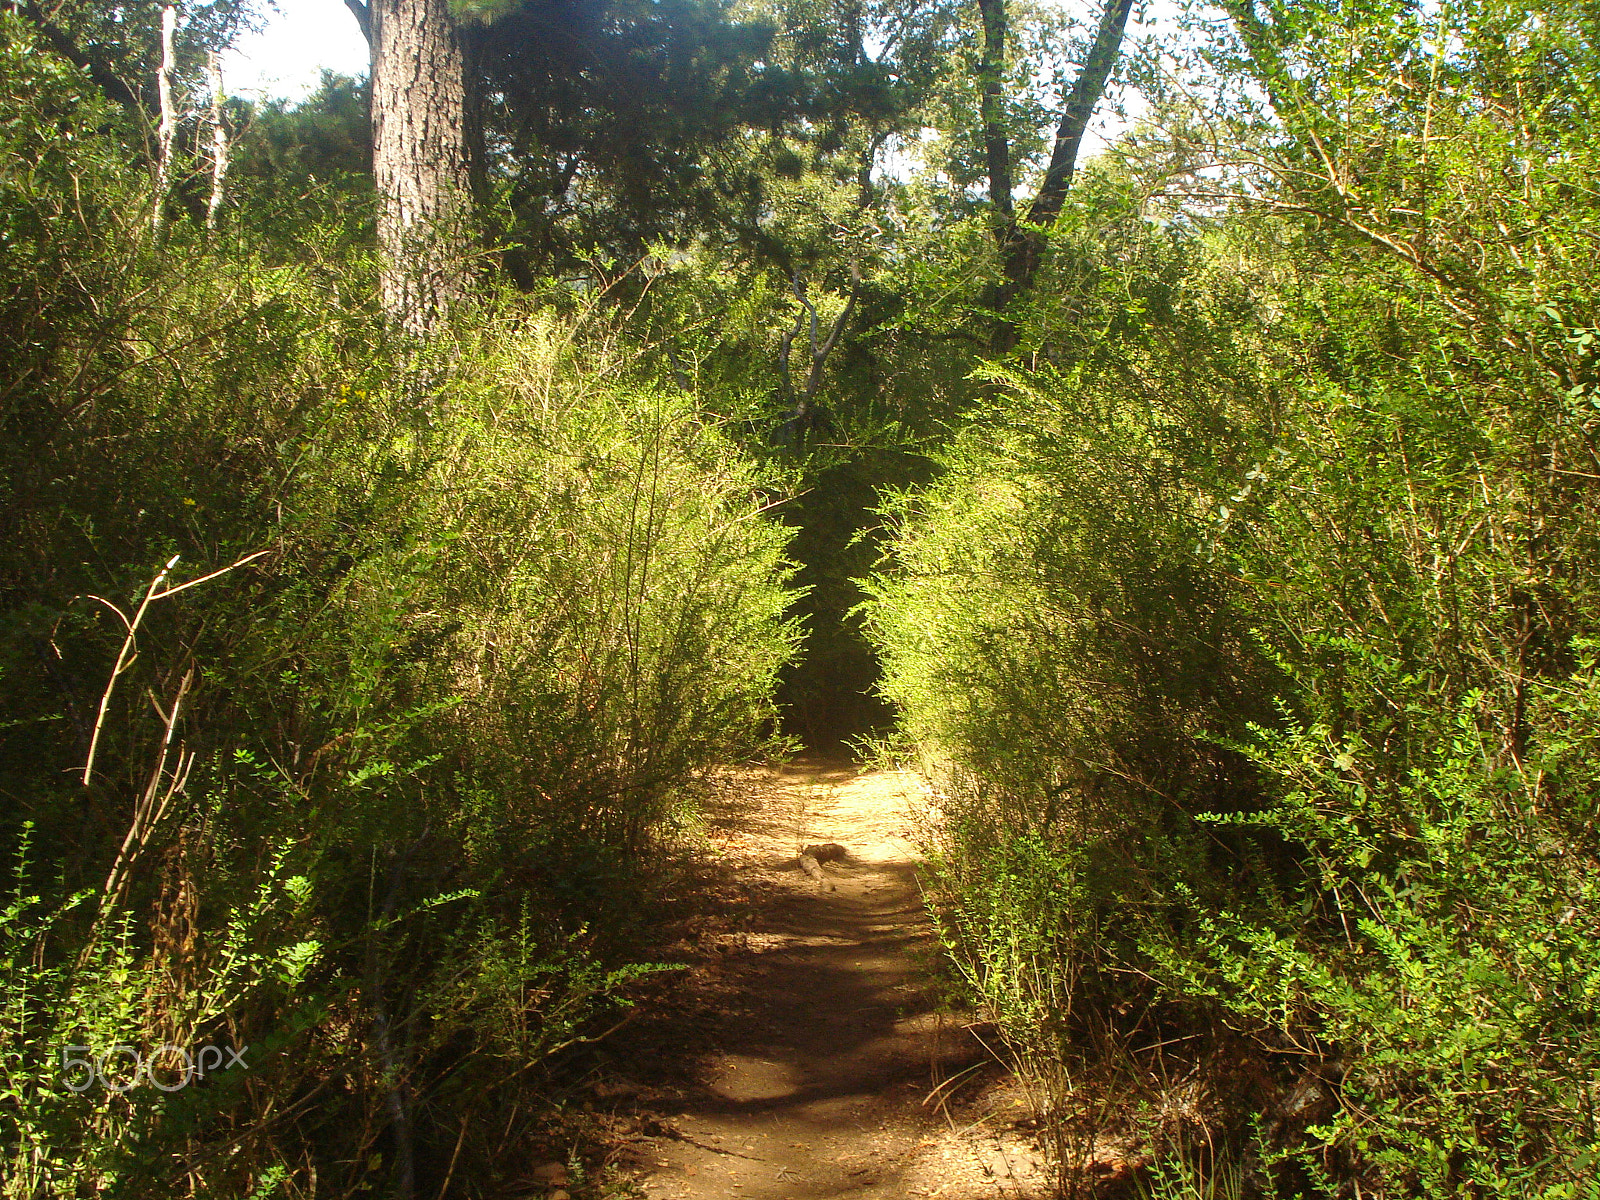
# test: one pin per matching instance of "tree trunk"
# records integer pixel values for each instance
(167, 133)
(1022, 243)
(219, 141)
(419, 158)
(996, 141)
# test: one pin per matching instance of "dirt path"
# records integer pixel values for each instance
(816, 1064)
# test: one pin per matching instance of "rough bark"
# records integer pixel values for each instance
(419, 159)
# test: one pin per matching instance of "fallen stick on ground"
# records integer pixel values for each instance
(813, 868)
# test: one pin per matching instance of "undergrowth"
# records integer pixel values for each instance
(347, 685)
(1251, 652)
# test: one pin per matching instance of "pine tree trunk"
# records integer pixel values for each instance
(419, 157)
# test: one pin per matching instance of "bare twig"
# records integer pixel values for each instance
(126, 655)
(123, 658)
(183, 587)
(155, 801)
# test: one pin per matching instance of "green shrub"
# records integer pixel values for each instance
(1259, 693)
(1072, 674)
(379, 753)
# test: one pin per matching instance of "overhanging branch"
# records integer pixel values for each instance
(98, 70)
(1086, 92)
(363, 16)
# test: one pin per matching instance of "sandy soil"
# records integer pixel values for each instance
(812, 1060)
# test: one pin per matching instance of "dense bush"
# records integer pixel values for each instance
(1252, 645)
(390, 666)
(1067, 669)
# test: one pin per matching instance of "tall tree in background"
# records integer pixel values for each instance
(1022, 242)
(419, 157)
(609, 115)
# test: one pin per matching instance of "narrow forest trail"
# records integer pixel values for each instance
(813, 1062)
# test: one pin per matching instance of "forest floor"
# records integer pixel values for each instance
(804, 1053)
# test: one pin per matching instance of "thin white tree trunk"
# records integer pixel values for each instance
(219, 140)
(167, 132)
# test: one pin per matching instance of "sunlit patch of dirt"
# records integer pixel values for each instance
(804, 1056)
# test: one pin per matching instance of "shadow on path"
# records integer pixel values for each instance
(807, 1071)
